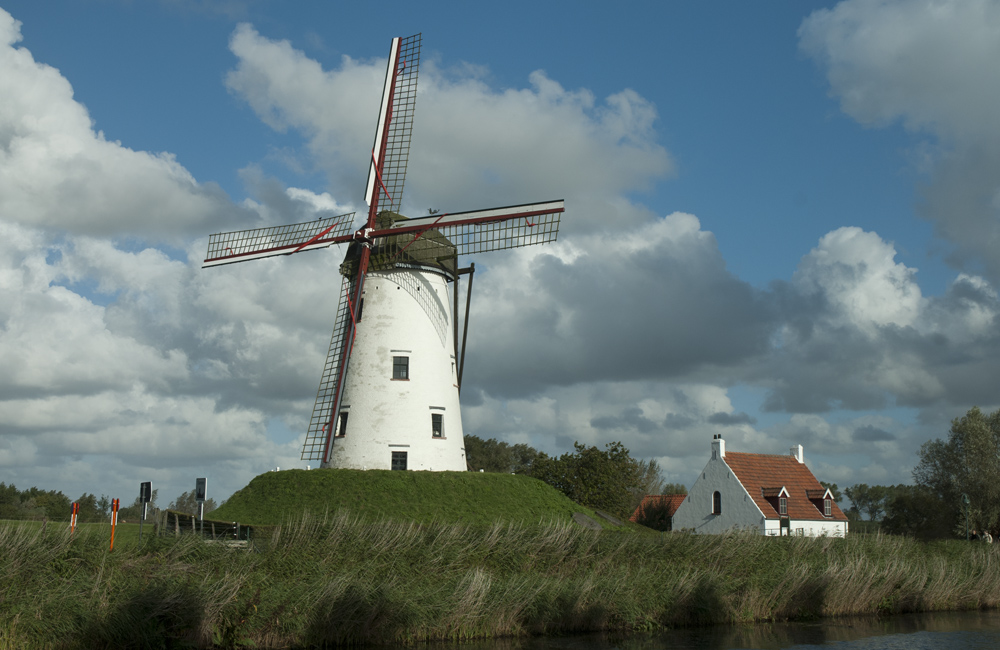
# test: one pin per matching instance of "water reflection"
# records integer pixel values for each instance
(933, 631)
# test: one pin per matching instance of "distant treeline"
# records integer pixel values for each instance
(36, 504)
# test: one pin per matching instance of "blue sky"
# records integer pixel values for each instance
(779, 225)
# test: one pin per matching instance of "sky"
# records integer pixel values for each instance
(781, 226)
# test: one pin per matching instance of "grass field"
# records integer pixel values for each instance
(126, 535)
(477, 498)
(345, 557)
(344, 580)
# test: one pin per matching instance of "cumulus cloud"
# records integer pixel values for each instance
(56, 172)
(856, 332)
(122, 355)
(473, 146)
(932, 66)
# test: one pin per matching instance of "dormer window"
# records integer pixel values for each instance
(827, 508)
(777, 497)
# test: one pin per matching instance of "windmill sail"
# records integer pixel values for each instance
(242, 245)
(490, 230)
(395, 124)
(319, 431)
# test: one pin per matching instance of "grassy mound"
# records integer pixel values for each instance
(476, 498)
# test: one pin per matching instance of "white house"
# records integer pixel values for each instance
(766, 493)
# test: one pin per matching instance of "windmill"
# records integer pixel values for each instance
(389, 394)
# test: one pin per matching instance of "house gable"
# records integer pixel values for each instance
(698, 511)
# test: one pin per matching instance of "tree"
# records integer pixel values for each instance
(650, 481)
(601, 479)
(189, 504)
(870, 499)
(89, 508)
(674, 488)
(968, 462)
(494, 456)
(914, 511)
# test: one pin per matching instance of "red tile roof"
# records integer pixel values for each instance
(760, 472)
(669, 501)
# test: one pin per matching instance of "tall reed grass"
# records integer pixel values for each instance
(339, 580)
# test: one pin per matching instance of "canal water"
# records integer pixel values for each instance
(934, 631)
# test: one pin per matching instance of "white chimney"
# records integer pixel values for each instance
(796, 451)
(718, 446)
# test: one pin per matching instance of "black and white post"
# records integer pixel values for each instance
(200, 494)
(145, 493)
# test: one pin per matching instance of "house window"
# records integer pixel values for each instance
(783, 506)
(717, 503)
(399, 460)
(800, 532)
(342, 429)
(401, 367)
(437, 425)
(827, 508)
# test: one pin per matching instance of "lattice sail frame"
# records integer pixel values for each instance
(404, 66)
(314, 446)
(242, 245)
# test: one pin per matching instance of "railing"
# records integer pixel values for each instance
(173, 522)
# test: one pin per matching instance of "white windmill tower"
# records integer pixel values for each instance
(398, 406)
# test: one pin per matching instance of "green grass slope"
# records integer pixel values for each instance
(477, 498)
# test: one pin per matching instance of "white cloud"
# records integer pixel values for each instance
(857, 274)
(931, 64)
(473, 146)
(57, 172)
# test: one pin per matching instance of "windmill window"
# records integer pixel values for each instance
(401, 367)
(783, 506)
(361, 308)
(399, 460)
(437, 425)
(827, 508)
(342, 429)
(717, 503)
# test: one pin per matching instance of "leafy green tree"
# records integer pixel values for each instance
(492, 455)
(968, 462)
(90, 509)
(45, 504)
(10, 502)
(186, 502)
(650, 481)
(868, 499)
(104, 506)
(914, 511)
(674, 488)
(605, 479)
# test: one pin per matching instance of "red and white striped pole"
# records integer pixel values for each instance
(114, 521)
